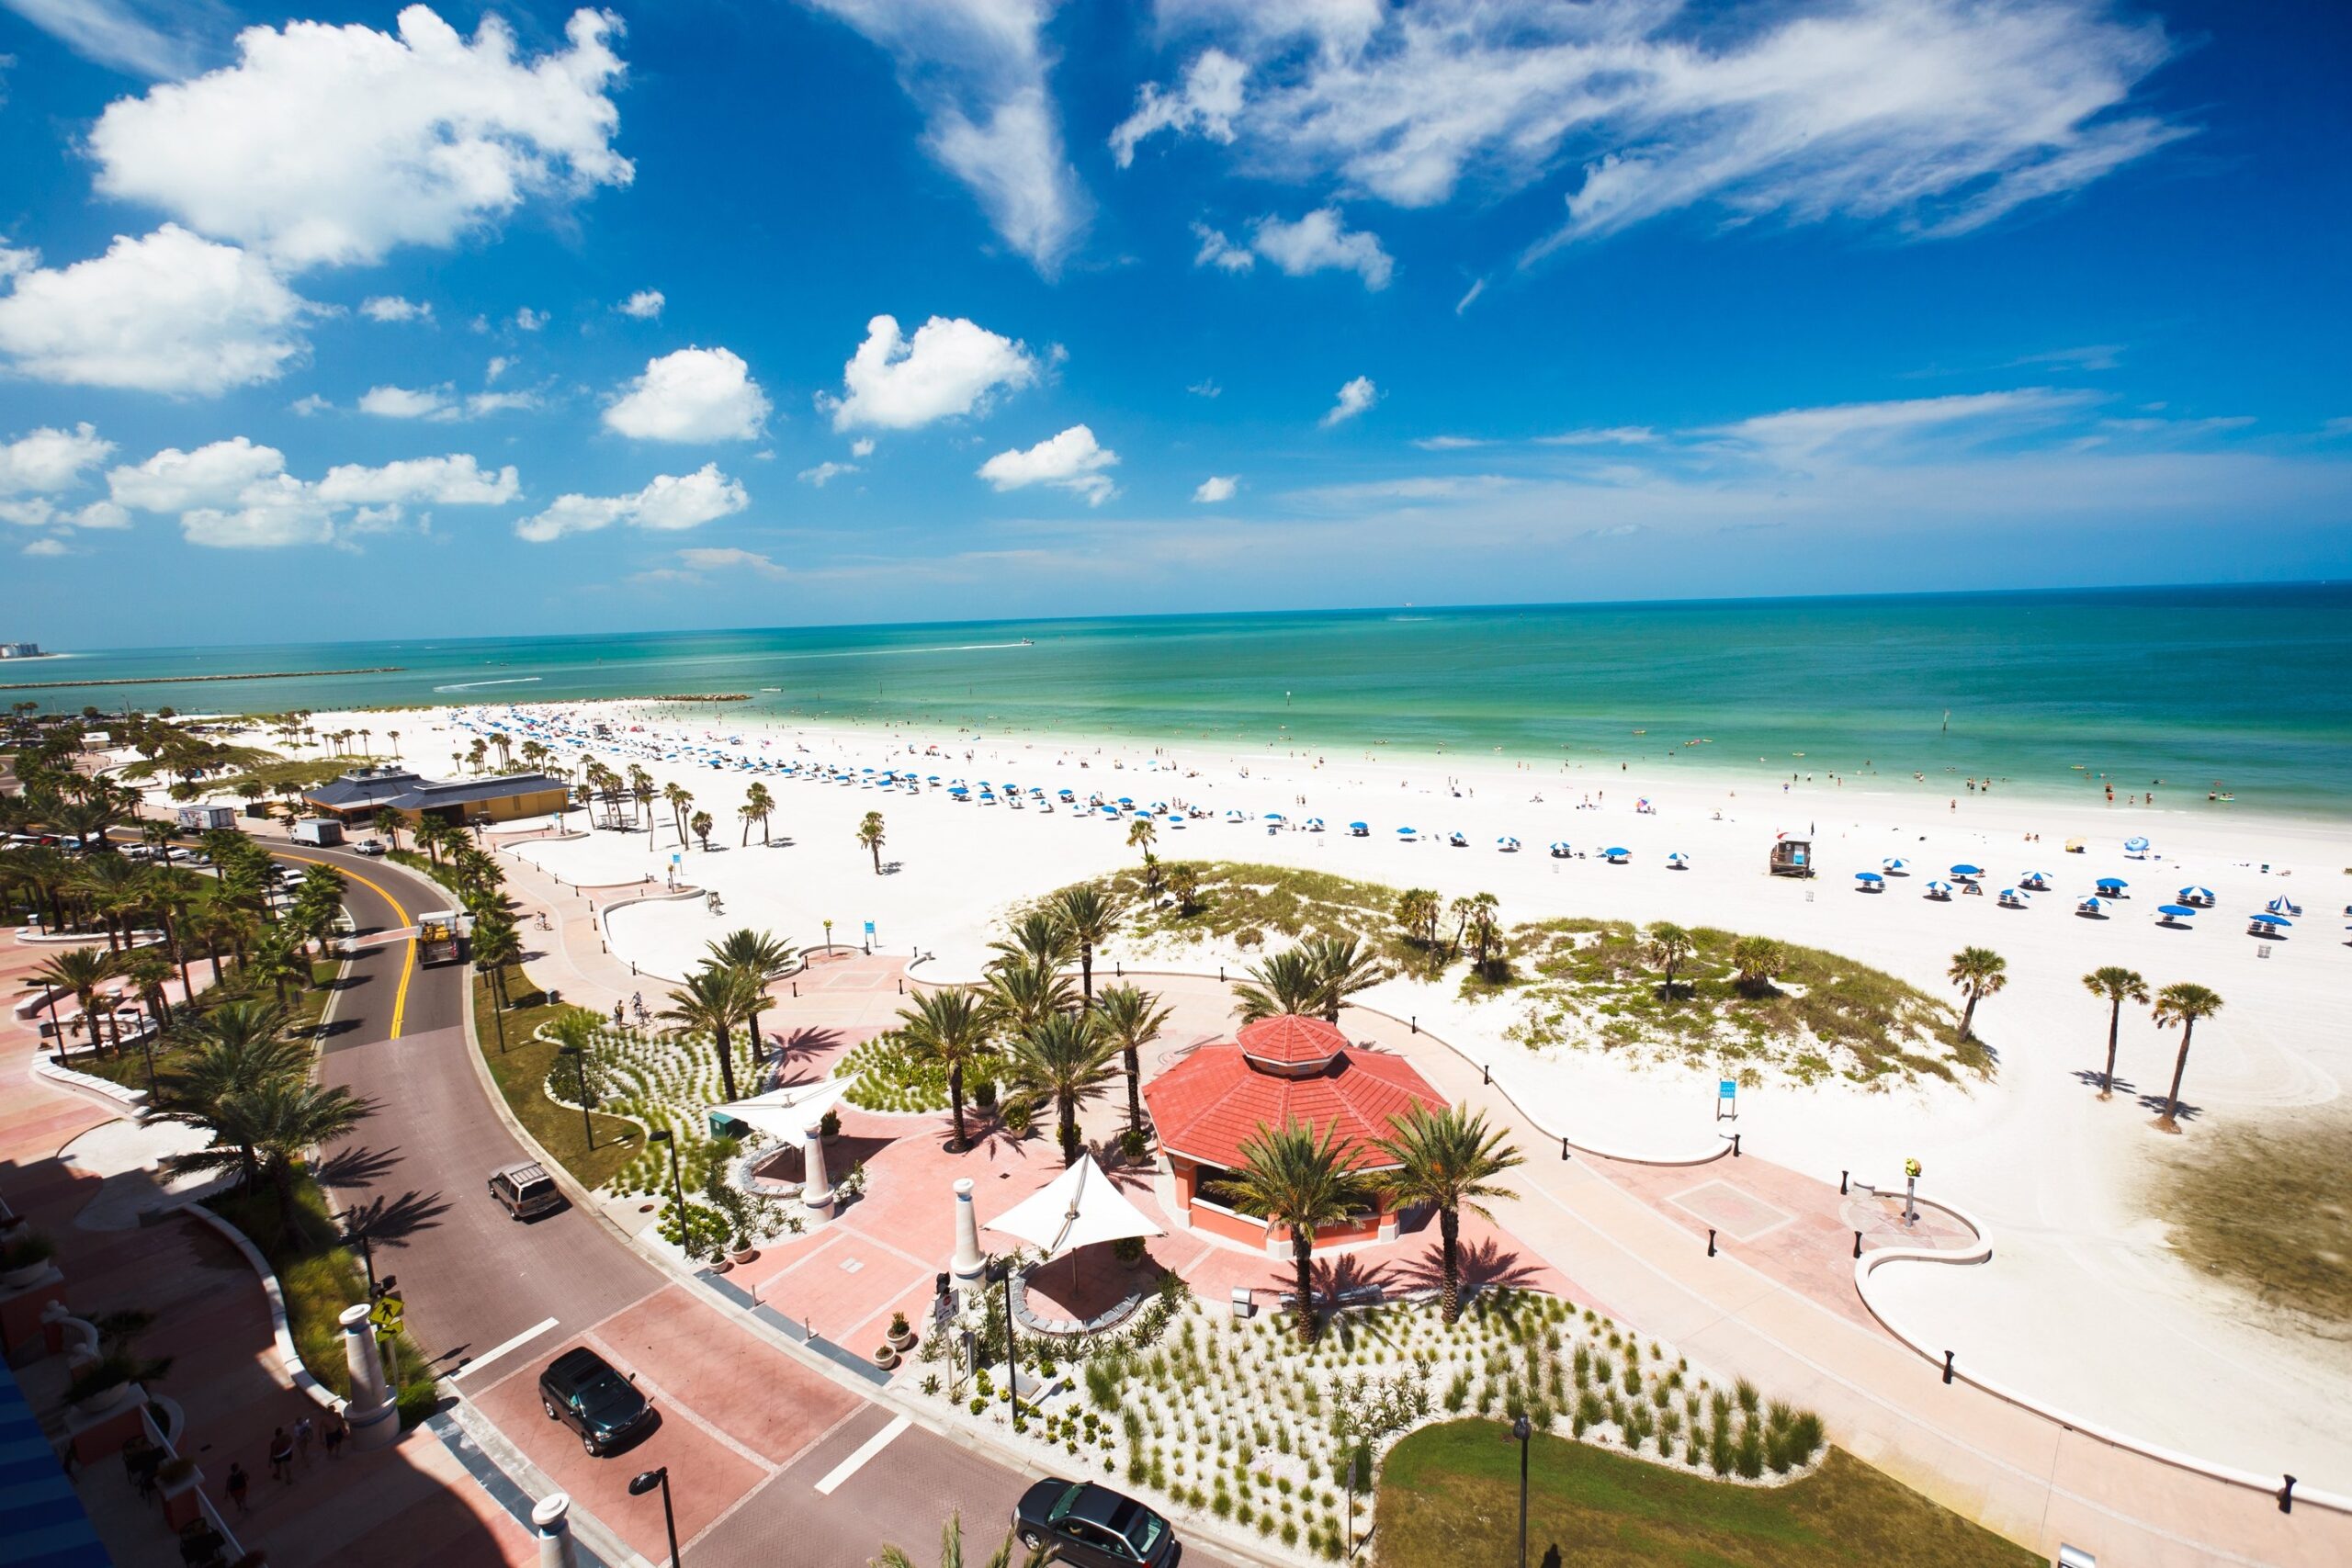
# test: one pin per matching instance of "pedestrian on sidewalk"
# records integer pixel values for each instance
(281, 1456)
(238, 1482)
(304, 1430)
(335, 1433)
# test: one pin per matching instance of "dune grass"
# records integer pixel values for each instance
(1449, 1495)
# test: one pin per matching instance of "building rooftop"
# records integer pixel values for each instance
(380, 786)
(1209, 1103)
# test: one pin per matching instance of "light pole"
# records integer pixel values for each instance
(1522, 1430)
(677, 1184)
(580, 1065)
(646, 1480)
(1003, 1272)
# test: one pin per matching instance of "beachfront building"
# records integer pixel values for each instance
(20, 650)
(355, 797)
(1277, 1070)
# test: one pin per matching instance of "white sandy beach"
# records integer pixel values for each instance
(2083, 1303)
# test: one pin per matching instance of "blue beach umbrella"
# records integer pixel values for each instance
(2091, 905)
(1506, 844)
(1869, 879)
(1677, 861)
(1560, 851)
(2034, 879)
(1895, 863)
(1359, 828)
(1968, 870)
(1407, 834)
(2282, 905)
(2196, 895)
(2175, 911)
(2134, 846)
(1939, 889)
(1313, 824)
(2272, 922)
(2111, 885)
(1615, 853)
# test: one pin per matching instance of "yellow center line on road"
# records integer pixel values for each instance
(408, 955)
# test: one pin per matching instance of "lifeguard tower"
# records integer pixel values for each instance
(1791, 856)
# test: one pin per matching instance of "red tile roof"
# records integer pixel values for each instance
(1292, 1040)
(1208, 1103)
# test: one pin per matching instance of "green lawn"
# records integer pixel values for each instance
(129, 1067)
(521, 1071)
(1449, 1495)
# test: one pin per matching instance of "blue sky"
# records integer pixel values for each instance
(359, 321)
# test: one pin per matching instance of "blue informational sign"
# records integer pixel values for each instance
(1729, 1088)
(869, 928)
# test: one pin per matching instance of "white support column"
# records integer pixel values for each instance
(374, 1418)
(968, 1263)
(551, 1522)
(816, 1191)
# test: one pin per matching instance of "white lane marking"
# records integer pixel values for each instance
(479, 1362)
(866, 1451)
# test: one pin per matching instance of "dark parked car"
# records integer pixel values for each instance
(1094, 1527)
(581, 1389)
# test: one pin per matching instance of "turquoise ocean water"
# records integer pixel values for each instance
(2249, 688)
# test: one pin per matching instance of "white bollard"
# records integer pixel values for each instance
(551, 1518)
(968, 1263)
(374, 1418)
(816, 1191)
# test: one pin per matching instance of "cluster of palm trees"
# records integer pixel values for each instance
(244, 1082)
(728, 991)
(1047, 1041)
(2180, 1005)
(1314, 977)
(1421, 916)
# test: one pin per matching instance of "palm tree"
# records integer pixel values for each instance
(951, 1551)
(1448, 1158)
(1284, 982)
(950, 1027)
(1758, 961)
(1342, 969)
(1037, 938)
(2183, 1003)
(679, 797)
(1091, 917)
(758, 806)
(714, 999)
(1141, 832)
(1185, 881)
(1292, 1178)
(1669, 948)
(702, 824)
(1978, 972)
(80, 970)
(389, 820)
(1068, 1056)
(1132, 1019)
(173, 890)
(765, 958)
(278, 960)
(1485, 931)
(1023, 995)
(870, 833)
(2119, 985)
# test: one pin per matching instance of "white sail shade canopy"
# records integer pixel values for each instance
(1078, 1208)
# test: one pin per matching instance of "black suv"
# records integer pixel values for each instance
(580, 1390)
(1094, 1527)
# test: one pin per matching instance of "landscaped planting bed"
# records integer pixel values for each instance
(1236, 1420)
(891, 1078)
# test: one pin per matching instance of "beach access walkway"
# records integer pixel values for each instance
(1774, 1301)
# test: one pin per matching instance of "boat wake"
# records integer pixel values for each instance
(470, 685)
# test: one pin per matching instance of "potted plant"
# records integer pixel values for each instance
(829, 1125)
(1134, 1145)
(902, 1335)
(984, 1093)
(1129, 1250)
(173, 1472)
(102, 1385)
(742, 1251)
(886, 1356)
(24, 1259)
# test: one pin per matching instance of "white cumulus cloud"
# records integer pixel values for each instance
(729, 559)
(1073, 461)
(172, 312)
(392, 307)
(672, 501)
(1321, 242)
(643, 305)
(1218, 250)
(1354, 398)
(818, 475)
(696, 394)
(1217, 488)
(403, 402)
(236, 494)
(950, 366)
(47, 460)
(1207, 104)
(327, 144)
(977, 71)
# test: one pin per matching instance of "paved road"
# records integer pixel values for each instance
(748, 1430)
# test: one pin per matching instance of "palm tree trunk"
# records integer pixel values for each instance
(753, 1025)
(1134, 1092)
(1086, 970)
(2170, 1120)
(726, 1062)
(955, 1101)
(1449, 1230)
(1068, 1109)
(1302, 1253)
(1968, 1015)
(2114, 1026)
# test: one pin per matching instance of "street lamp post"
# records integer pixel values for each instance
(580, 1065)
(677, 1184)
(1003, 1272)
(1522, 1429)
(646, 1480)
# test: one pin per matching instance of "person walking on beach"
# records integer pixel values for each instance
(281, 1456)
(334, 1434)
(304, 1430)
(237, 1483)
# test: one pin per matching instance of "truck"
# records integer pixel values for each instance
(441, 936)
(320, 830)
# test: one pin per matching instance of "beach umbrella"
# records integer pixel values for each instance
(2282, 905)
(1126, 800)
(2135, 846)
(2034, 878)
(2011, 896)
(1895, 863)
(1560, 851)
(2175, 911)
(2196, 895)
(1615, 853)
(2091, 905)
(1313, 824)
(1507, 844)
(1936, 889)
(1275, 817)
(2111, 885)
(1404, 832)
(1678, 860)
(2272, 922)
(1869, 878)
(1361, 828)
(1968, 870)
